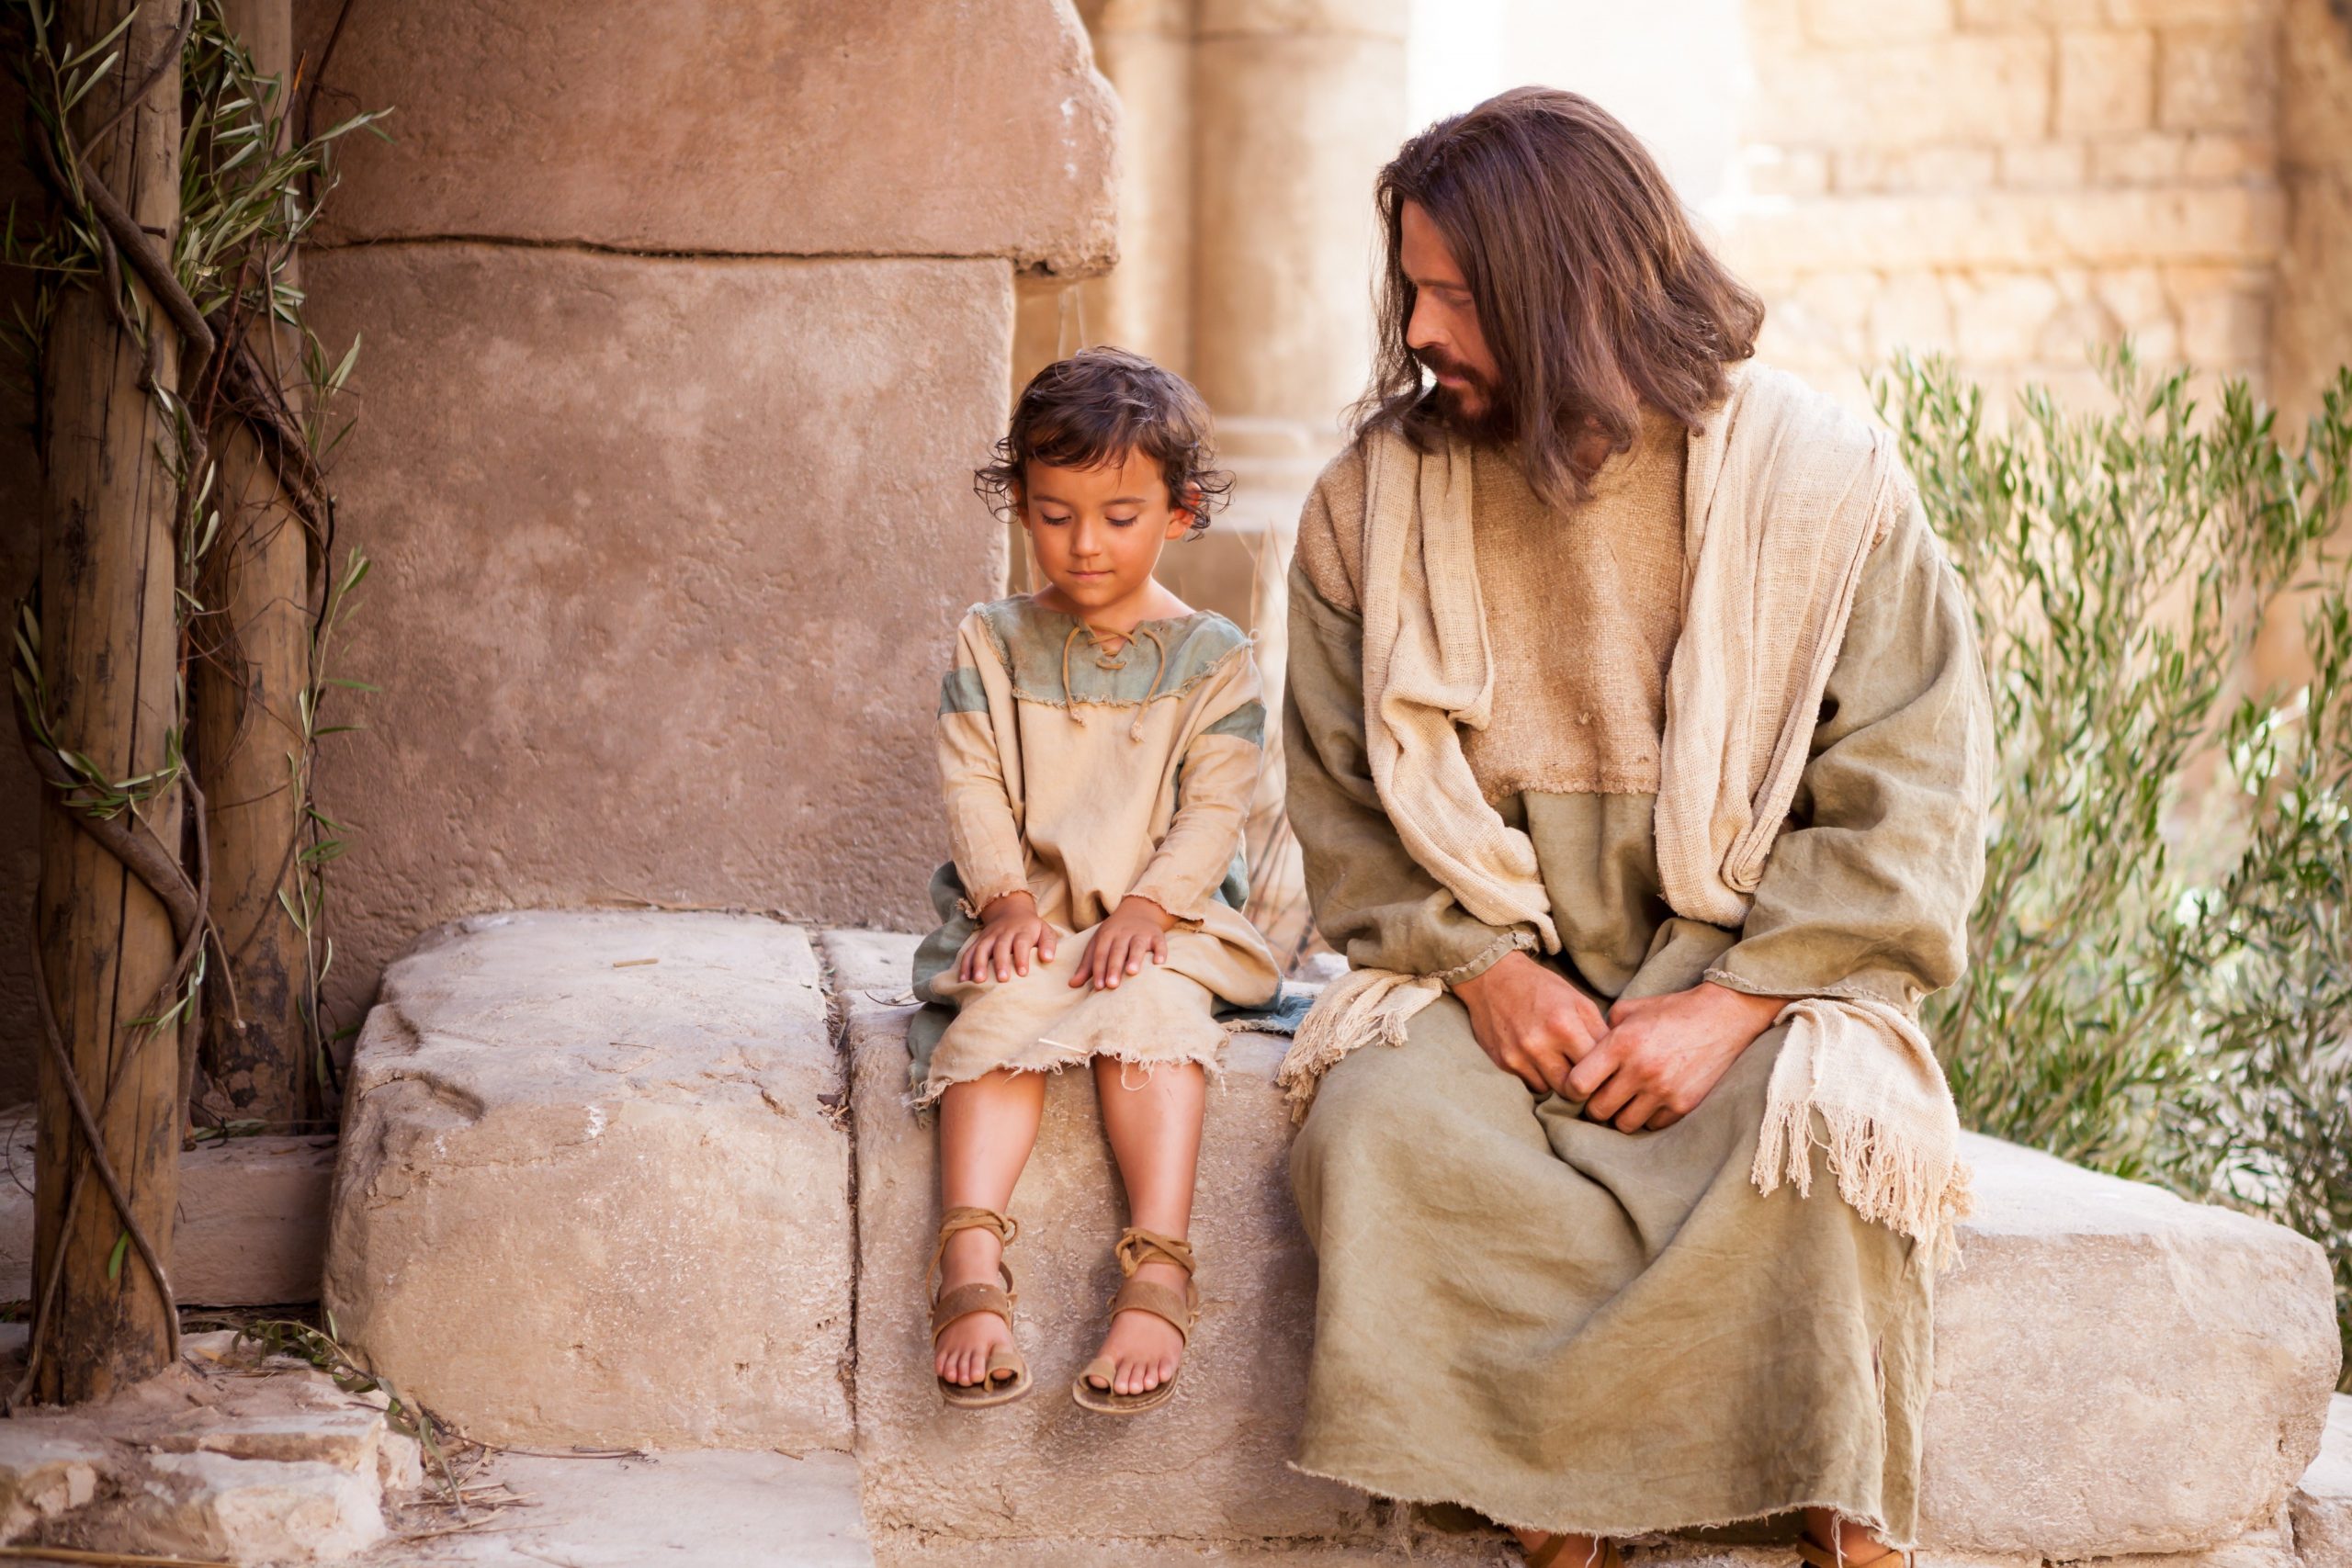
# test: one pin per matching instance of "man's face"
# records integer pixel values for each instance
(1444, 333)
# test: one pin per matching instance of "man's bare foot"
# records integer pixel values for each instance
(1581, 1551)
(1143, 1346)
(962, 1354)
(1848, 1542)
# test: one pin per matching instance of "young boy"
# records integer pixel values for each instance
(1099, 744)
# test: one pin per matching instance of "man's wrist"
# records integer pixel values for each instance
(1475, 985)
(1761, 1009)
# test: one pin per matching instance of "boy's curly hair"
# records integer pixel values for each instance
(1096, 407)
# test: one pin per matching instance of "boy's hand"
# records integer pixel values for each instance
(1118, 948)
(1011, 935)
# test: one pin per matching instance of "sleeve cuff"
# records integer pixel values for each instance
(1891, 989)
(987, 893)
(1188, 913)
(1519, 938)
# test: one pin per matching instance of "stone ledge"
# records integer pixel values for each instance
(2118, 1372)
(251, 1224)
(2320, 1513)
(594, 1187)
(2010, 230)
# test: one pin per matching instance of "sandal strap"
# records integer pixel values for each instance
(964, 1219)
(1180, 1308)
(965, 1300)
(1139, 1247)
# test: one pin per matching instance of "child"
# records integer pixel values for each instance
(1099, 743)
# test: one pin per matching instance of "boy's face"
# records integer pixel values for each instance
(1098, 532)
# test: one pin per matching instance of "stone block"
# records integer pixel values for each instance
(2321, 1510)
(2118, 1372)
(251, 1229)
(2215, 157)
(2045, 166)
(2000, 319)
(2217, 78)
(2020, 230)
(2004, 15)
(2107, 81)
(1844, 24)
(44, 1474)
(1985, 88)
(1916, 169)
(2224, 316)
(1208, 1467)
(800, 128)
(697, 531)
(2149, 158)
(248, 1510)
(1375, 18)
(595, 1187)
(2164, 13)
(1912, 311)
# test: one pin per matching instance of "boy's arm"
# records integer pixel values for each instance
(1215, 784)
(983, 825)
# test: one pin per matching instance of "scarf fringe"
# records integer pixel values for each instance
(1886, 1179)
(1364, 1007)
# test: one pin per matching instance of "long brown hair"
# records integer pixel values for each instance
(1593, 291)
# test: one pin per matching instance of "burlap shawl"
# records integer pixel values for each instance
(1784, 496)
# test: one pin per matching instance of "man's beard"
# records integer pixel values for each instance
(1489, 424)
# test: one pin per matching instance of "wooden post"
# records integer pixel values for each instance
(251, 664)
(109, 649)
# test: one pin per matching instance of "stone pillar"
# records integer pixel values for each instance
(2311, 322)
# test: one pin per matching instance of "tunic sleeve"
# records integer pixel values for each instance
(1373, 901)
(983, 822)
(1867, 893)
(1215, 781)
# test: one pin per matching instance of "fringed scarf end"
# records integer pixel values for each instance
(1887, 1179)
(1365, 1007)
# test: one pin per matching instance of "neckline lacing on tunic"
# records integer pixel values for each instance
(1115, 662)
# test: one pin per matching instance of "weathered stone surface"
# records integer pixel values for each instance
(801, 127)
(668, 556)
(43, 1473)
(249, 1510)
(696, 1510)
(589, 1200)
(2118, 1372)
(2321, 1509)
(1210, 1465)
(251, 1229)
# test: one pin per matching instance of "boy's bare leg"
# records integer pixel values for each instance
(987, 1128)
(1155, 1130)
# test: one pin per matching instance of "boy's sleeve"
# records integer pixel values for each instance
(983, 822)
(1216, 782)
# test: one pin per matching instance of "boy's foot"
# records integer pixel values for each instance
(1145, 1349)
(961, 1356)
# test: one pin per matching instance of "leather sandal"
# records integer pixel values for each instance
(1007, 1375)
(1820, 1556)
(1136, 1248)
(1552, 1553)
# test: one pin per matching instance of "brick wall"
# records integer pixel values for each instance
(2010, 181)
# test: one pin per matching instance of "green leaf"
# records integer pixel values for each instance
(114, 1258)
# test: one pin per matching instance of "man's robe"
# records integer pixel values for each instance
(1559, 1325)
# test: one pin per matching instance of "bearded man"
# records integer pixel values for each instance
(1638, 748)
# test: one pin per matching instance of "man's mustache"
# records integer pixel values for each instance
(1445, 364)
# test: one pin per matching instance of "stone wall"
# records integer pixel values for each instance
(2012, 181)
(680, 343)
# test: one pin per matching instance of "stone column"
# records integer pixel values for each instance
(1296, 103)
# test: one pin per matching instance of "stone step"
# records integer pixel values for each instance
(251, 1225)
(588, 1200)
(594, 1184)
(2320, 1511)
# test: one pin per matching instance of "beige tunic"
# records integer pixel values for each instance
(1084, 776)
(1559, 1325)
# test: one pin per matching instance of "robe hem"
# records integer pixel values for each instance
(1611, 1531)
(925, 1095)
